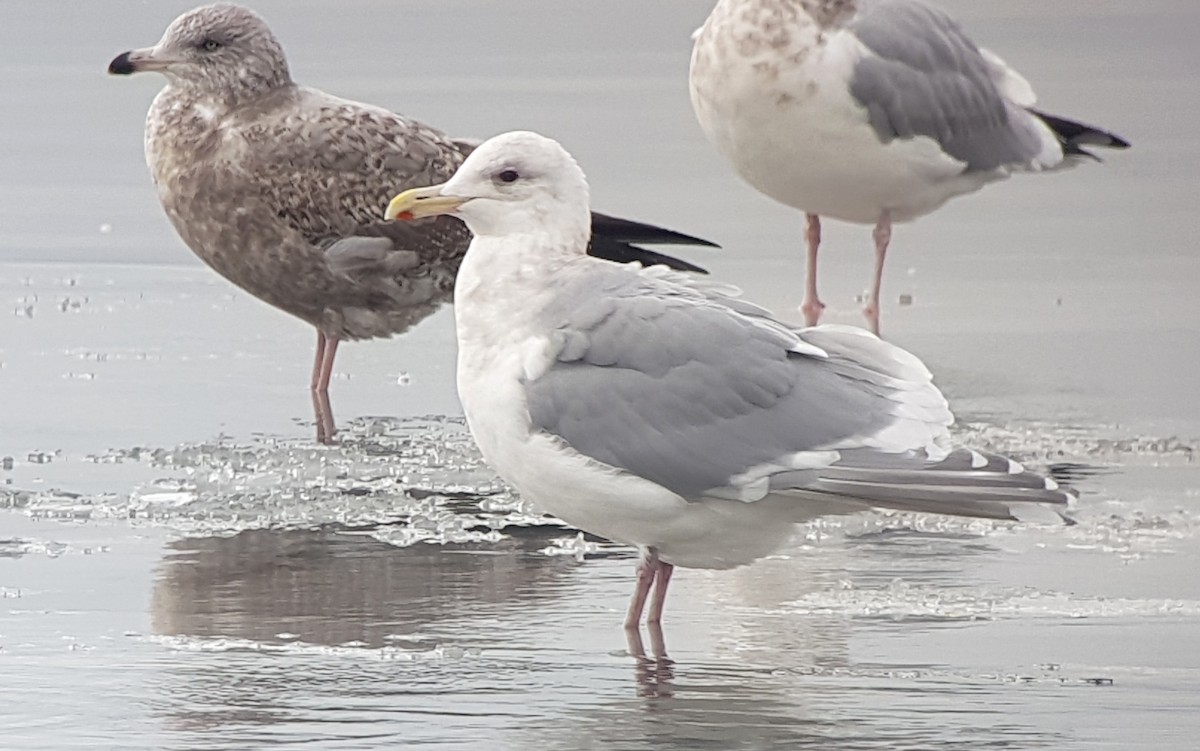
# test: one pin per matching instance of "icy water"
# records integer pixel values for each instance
(183, 567)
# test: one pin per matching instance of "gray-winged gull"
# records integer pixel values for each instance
(659, 410)
(870, 111)
(278, 187)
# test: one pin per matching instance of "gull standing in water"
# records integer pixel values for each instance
(277, 187)
(870, 111)
(661, 411)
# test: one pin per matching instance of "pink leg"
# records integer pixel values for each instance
(661, 580)
(883, 236)
(322, 371)
(323, 416)
(812, 305)
(317, 361)
(328, 352)
(633, 639)
(657, 643)
(646, 569)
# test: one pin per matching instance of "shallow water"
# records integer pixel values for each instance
(182, 566)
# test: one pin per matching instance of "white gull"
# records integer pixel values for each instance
(661, 411)
(869, 111)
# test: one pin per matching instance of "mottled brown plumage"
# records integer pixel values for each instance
(281, 188)
(283, 197)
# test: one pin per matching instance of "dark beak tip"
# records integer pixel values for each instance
(121, 65)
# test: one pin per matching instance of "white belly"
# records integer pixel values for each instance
(494, 363)
(560, 481)
(793, 131)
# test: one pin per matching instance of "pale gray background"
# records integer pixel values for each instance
(1060, 312)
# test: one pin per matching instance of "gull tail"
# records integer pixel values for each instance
(965, 483)
(1074, 136)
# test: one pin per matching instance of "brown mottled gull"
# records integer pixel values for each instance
(871, 111)
(279, 187)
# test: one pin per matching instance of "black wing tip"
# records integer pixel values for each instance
(630, 231)
(679, 238)
(1075, 134)
(618, 251)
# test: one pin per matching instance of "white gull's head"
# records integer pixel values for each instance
(515, 183)
(222, 52)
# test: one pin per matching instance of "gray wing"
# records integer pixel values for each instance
(924, 77)
(709, 396)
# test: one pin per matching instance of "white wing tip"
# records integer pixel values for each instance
(802, 347)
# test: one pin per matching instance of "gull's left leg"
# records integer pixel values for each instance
(322, 372)
(647, 569)
(811, 306)
(883, 236)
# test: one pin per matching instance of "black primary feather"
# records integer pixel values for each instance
(1076, 135)
(613, 239)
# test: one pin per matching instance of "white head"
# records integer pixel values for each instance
(515, 183)
(222, 52)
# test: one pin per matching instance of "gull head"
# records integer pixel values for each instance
(515, 183)
(224, 52)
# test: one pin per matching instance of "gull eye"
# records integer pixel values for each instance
(508, 176)
(210, 45)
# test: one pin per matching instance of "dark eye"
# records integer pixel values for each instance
(508, 176)
(210, 45)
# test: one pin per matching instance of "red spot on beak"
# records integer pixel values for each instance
(405, 216)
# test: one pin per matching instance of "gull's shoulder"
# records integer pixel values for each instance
(593, 294)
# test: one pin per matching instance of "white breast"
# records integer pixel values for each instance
(498, 351)
(783, 115)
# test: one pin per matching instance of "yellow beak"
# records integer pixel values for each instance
(422, 202)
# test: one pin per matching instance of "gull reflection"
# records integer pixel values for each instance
(330, 587)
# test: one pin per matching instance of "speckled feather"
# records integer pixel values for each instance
(283, 199)
(281, 188)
